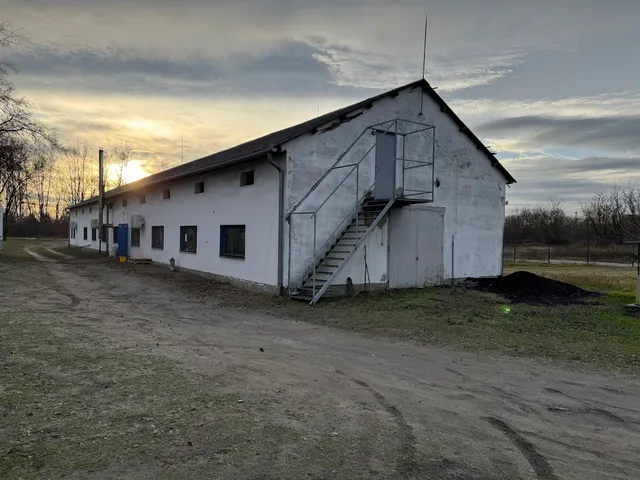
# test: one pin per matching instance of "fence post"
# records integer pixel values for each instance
(588, 249)
(549, 252)
(514, 253)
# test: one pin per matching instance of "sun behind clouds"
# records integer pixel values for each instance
(134, 171)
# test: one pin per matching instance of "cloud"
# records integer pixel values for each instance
(572, 181)
(619, 133)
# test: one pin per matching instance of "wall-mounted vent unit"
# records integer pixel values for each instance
(94, 223)
(137, 221)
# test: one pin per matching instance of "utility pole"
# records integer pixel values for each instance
(100, 197)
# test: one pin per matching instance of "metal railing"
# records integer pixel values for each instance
(354, 175)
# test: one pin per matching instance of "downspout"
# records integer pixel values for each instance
(280, 220)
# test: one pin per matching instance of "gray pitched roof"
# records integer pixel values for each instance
(260, 146)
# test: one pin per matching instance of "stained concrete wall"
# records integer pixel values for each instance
(224, 202)
(470, 189)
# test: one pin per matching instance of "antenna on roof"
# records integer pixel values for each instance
(424, 60)
(424, 49)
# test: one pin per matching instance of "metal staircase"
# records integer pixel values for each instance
(336, 257)
(333, 219)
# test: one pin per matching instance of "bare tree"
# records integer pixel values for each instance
(78, 174)
(44, 180)
(16, 114)
(117, 159)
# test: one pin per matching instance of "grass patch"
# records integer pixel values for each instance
(591, 277)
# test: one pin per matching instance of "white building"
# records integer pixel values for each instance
(280, 212)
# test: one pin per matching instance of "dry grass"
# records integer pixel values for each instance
(592, 277)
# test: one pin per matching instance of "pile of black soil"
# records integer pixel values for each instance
(529, 287)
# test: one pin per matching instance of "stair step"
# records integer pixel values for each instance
(346, 242)
(330, 263)
(326, 269)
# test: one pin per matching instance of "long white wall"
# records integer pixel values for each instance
(470, 189)
(224, 202)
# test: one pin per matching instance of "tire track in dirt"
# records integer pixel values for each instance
(37, 256)
(590, 408)
(407, 458)
(59, 254)
(75, 301)
(543, 470)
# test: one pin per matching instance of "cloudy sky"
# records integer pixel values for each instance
(552, 85)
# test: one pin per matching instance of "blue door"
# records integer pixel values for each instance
(123, 240)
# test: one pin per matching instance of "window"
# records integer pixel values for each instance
(135, 237)
(76, 212)
(188, 239)
(90, 209)
(105, 233)
(124, 202)
(143, 199)
(232, 241)
(166, 194)
(94, 234)
(83, 211)
(111, 206)
(73, 233)
(115, 234)
(246, 178)
(157, 237)
(199, 187)
(85, 233)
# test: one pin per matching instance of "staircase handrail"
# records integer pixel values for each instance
(335, 166)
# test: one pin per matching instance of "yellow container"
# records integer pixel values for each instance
(123, 259)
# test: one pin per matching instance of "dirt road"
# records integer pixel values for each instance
(353, 407)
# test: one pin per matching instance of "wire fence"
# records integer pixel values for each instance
(577, 253)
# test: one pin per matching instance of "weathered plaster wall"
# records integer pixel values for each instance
(470, 189)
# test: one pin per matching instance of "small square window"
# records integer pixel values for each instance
(246, 178)
(157, 237)
(189, 239)
(135, 237)
(199, 188)
(166, 194)
(143, 199)
(94, 234)
(232, 241)
(124, 202)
